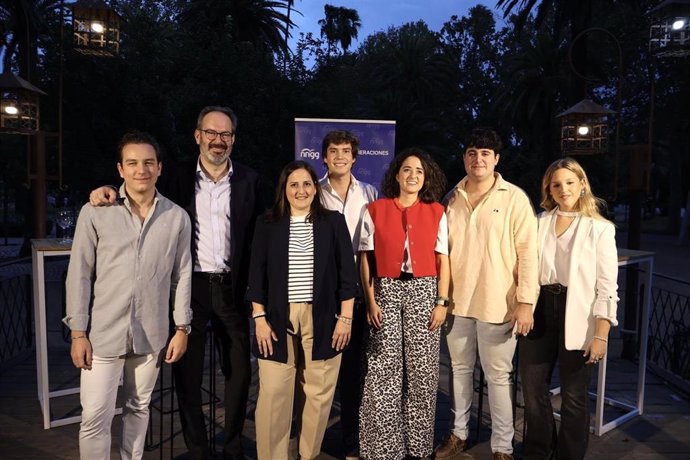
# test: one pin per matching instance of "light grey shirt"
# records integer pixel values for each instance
(123, 273)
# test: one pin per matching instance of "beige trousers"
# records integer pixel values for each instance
(315, 381)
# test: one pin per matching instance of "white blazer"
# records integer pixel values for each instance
(593, 280)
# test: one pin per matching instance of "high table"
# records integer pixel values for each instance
(41, 249)
(644, 260)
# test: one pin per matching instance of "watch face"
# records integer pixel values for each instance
(186, 329)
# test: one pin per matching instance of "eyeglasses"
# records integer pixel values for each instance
(211, 134)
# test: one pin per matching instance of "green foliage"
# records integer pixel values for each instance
(180, 55)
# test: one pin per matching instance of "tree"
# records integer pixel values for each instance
(339, 26)
(21, 24)
(256, 21)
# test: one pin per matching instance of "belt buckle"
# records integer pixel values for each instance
(219, 277)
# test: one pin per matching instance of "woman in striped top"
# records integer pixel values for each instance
(302, 284)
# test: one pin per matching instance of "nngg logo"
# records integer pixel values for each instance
(309, 153)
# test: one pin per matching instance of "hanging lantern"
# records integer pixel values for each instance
(96, 28)
(584, 129)
(669, 32)
(19, 108)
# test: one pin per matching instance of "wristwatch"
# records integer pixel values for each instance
(186, 328)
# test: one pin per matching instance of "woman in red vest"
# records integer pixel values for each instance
(405, 276)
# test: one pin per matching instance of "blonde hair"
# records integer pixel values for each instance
(588, 204)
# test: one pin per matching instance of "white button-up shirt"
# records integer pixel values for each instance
(212, 229)
(358, 197)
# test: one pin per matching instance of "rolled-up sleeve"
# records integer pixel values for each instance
(366, 235)
(606, 303)
(442, 236)
(81, 272)
(525, 235)
(181, 283)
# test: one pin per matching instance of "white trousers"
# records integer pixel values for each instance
(98, 394)
(496, 344)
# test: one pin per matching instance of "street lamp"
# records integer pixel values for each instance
(584, 129)
(669, 31)
(96, 28)
(19, 107)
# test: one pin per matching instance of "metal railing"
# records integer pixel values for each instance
(669, 330)
(16, 334)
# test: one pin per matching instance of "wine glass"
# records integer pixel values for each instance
(65, 219)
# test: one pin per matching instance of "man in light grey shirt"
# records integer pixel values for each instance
(129, 263)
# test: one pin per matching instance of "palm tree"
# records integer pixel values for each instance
(257, 21)
(339, 26)
(21, 23)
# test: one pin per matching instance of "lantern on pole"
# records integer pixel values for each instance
(19, 106)
(669, 32)
(96, 28)
(584, 129)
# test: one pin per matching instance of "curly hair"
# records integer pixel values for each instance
(281, 206)
(588, 204)
(434, 179)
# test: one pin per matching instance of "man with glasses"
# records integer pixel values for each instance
(222, 199)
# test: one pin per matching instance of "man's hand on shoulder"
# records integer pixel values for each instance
(103, 196)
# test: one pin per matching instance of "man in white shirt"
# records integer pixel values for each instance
(342, 192)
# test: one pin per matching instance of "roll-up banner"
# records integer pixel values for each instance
(376, 145)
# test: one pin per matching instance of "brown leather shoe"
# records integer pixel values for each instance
(502, 456)
(450, 446)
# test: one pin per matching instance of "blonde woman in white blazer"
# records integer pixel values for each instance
(578, 271)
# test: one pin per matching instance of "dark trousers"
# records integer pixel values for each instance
(539, 352)
(213, 301)
(349, 384)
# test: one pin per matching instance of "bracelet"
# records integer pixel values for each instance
(78, 337)
(259, 315)
(603, 339)
(344, 319)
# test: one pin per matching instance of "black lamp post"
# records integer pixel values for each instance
(584, 129)
(96, 28)
(669, 31)
(19, 105)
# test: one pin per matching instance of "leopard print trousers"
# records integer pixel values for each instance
(400, 372)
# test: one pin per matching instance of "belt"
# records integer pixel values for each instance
(215, 278)
(406, 276)
(555, 289)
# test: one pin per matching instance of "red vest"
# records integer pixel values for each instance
(390, 222)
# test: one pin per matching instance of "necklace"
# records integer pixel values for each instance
(567, 213)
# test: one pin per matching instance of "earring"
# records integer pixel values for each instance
(582, 193)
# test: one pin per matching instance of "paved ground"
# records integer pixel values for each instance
(662, 432)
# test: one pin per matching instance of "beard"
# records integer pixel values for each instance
(214, 159)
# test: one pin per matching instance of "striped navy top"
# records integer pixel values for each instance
(300, 260)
